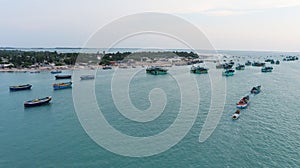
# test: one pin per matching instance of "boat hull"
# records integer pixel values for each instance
(60, 86)
(38, 102)
(21, 87)
(63, 76)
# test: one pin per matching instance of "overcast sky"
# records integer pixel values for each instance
(228, 24)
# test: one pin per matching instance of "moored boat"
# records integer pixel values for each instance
(55, 72)
(277, 62)
(228, 72)
(87, 77)
(198, 70)
(256, 90)
(258, 64)
(243, 103)
(106, 67)
(20, 87)
(156, 70)
(65, 85)
(236, 115)
(37, 102)
(267, 69)
(248, 63)
(63, 76)
(240, 67)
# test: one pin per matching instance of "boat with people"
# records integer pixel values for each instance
(38, 102)
(56, 72)
(63, 76)
(266, 69)
(20, 87)
(243, 103)
(198, 70)
(87, 77)
(156, 70)
(256, 90)
(236, 115)
(240, 67)
(228, 72)
(65, 85)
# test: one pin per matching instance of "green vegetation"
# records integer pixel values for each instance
(23, 59)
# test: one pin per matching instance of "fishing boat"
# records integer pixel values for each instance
(277, 62)
(20, 87)
(106, 67)
(267, 69)
(65, 85)
(87, 77)
(236, 115)
(35, 71)
(55, 72)
(248, 63)
(156, 70)
(243, 103)
(198, 70)
(256, 90)
(258, 64)
(228, 72)
(240, 67)
(272, 62)
(37, 102)
(63, 76)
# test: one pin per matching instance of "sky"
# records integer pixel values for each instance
(228, 24)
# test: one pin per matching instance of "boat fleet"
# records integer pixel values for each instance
(56, 86)
(244, 102)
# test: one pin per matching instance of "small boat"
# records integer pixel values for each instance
(37, 102)
(106, 67)
(35, 71)
(156, 70)
(20, 87)
(198, 70)
(243, 103)
(87, 77)
(55, 72)
(258, 64)
(240, 67)
(256, 90)
(277, 62)
(65, 85)
(236, 115)
(248, 63)
(272, 62)
(269, 60)
(228, 72)
(267, 69)
(63, 76)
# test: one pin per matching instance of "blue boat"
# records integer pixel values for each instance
(228, 72)
(65, 85)
(267, 69)
(37, 102)
(243, 103)
(20, 87)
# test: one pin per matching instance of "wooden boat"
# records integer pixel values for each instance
(236, 115)
(228, 72)
(243, 103)
(87, 77)
(156, 70)
(63, 76)
(35, 71)
(20, 87)
(240, 67)
(65, 85)
(198, 70)
(267, 69)
(258, 64)
(256, 90)
(37, 102)
(55, 72)
(106, 67)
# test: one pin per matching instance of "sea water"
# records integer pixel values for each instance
(266, 134)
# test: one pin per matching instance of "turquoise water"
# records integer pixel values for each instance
(266, 135)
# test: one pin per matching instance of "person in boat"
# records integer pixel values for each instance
(237, 112)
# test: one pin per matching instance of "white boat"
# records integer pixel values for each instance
(87, 77)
